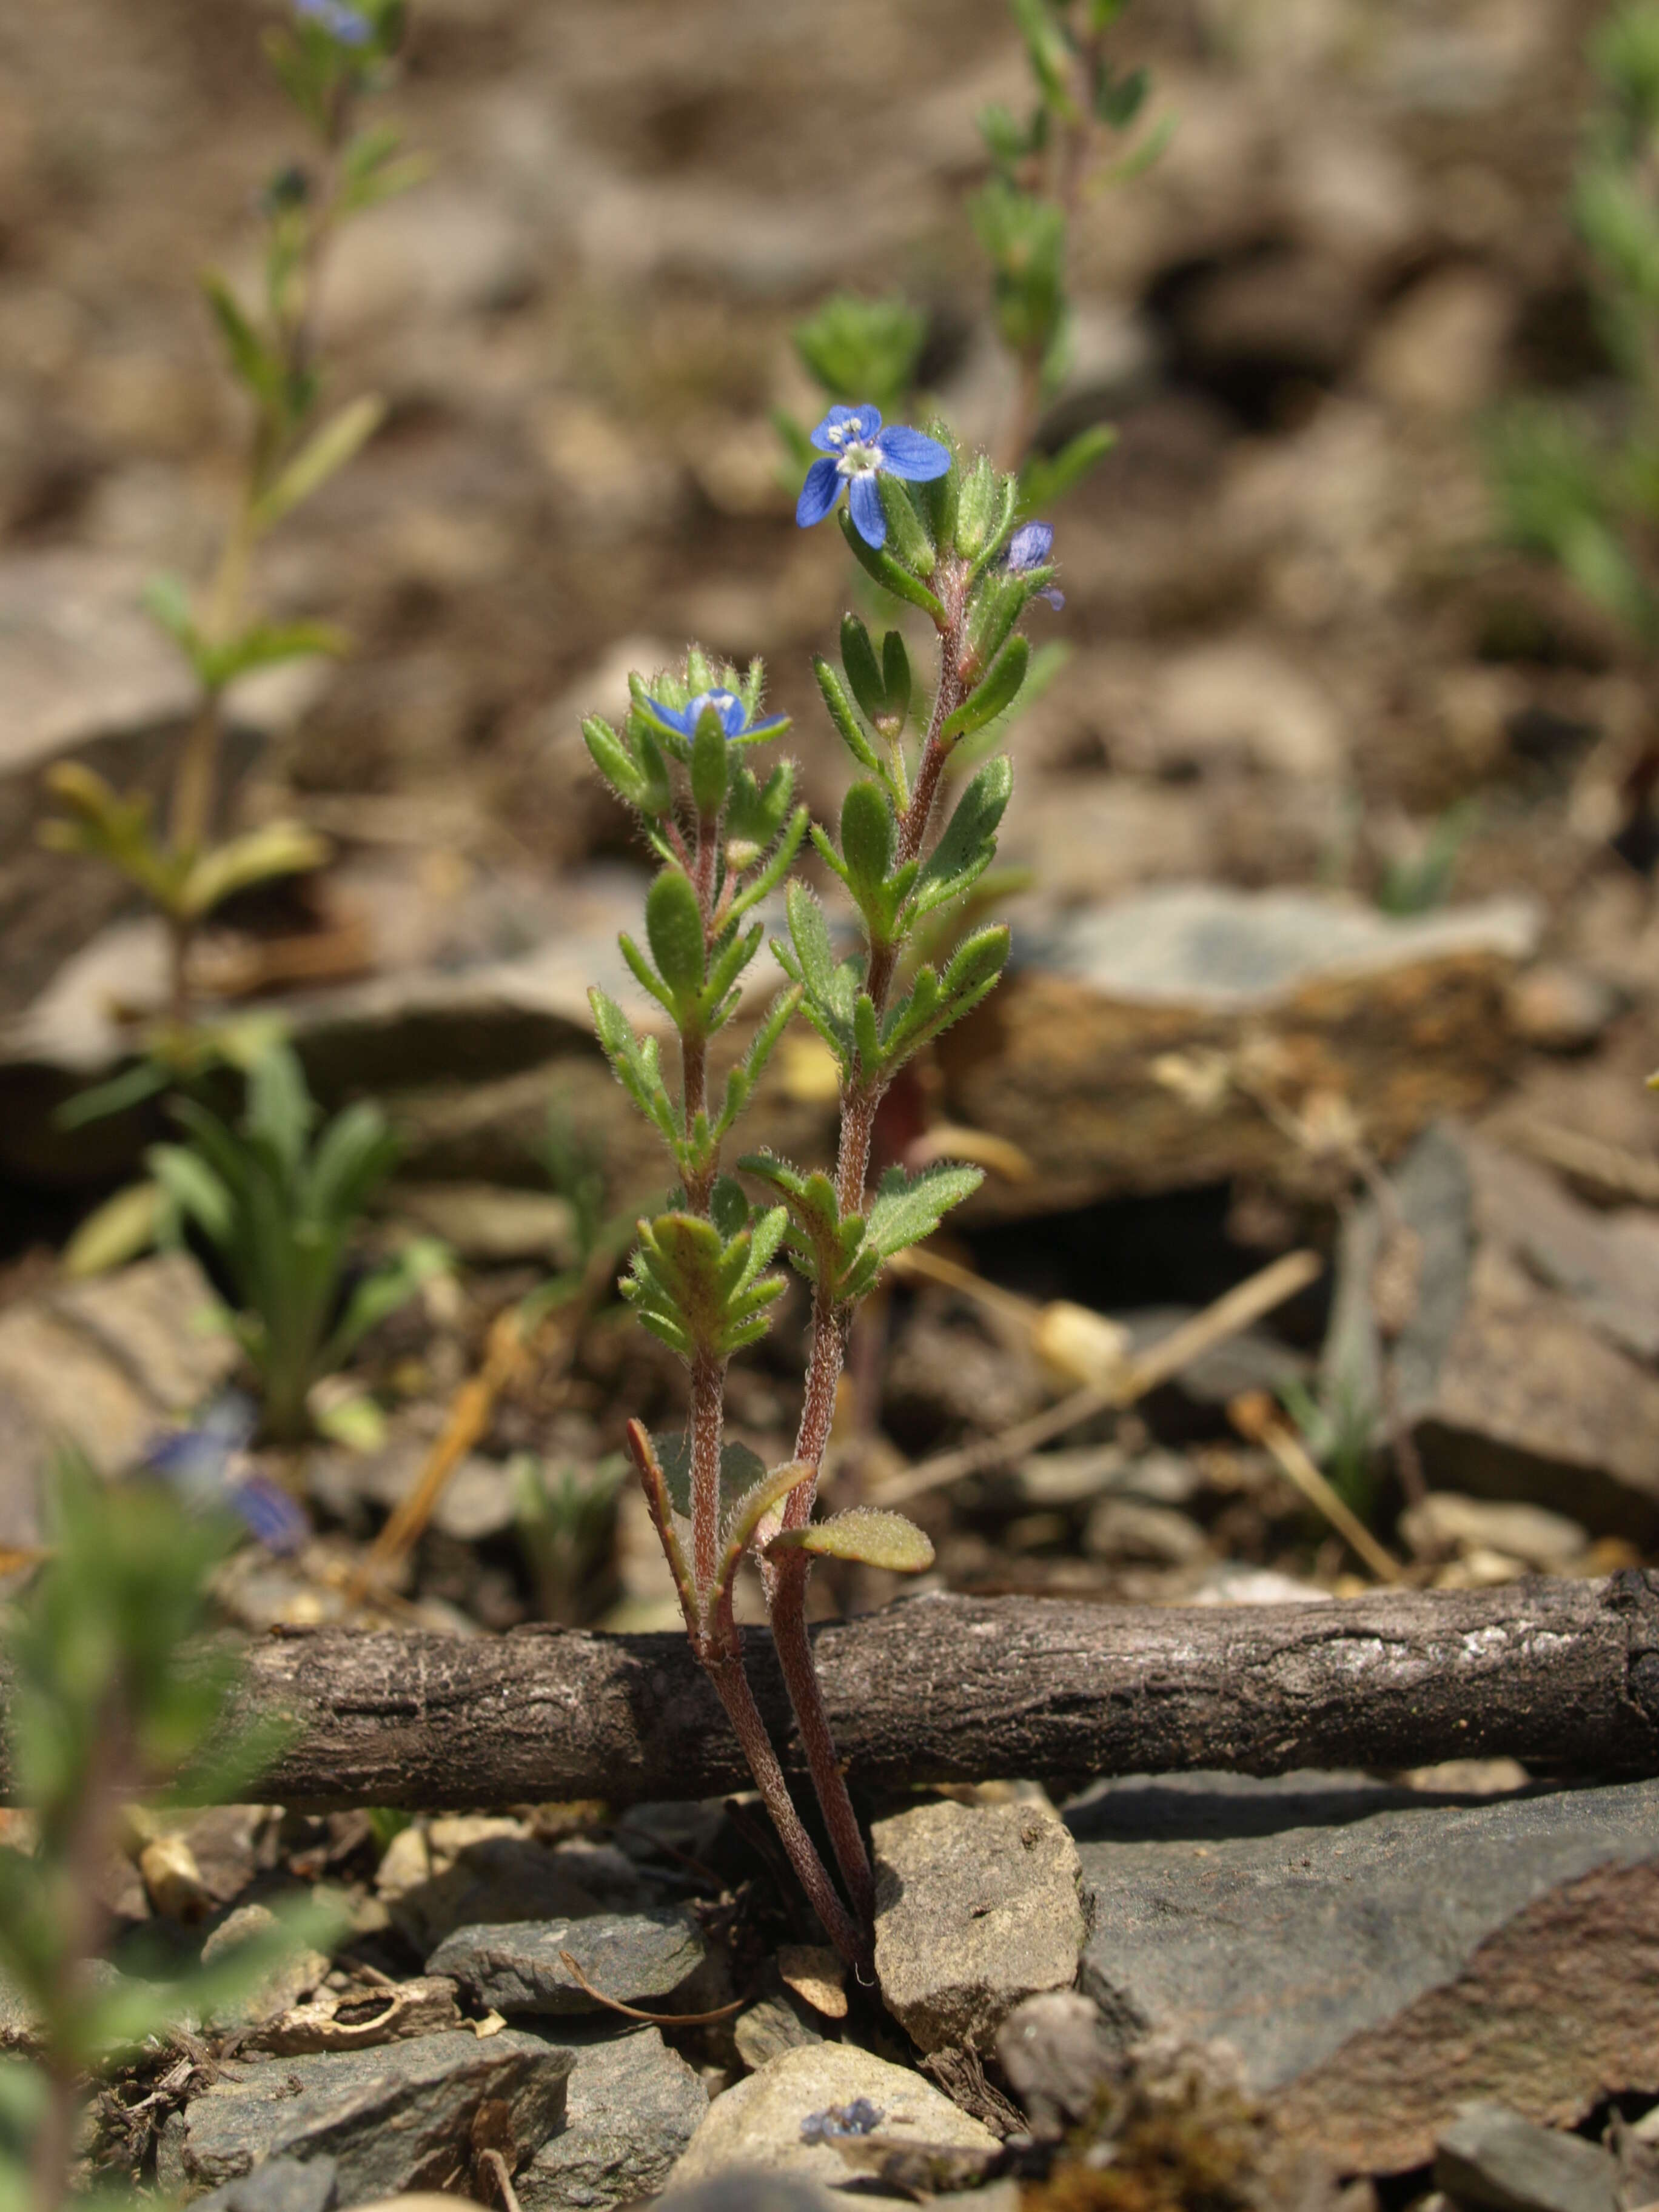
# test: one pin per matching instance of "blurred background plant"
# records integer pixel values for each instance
(859, 351)
(1580, 483)
(280, 1211)
(329, 58)
(567, 1519)
(108, 1702)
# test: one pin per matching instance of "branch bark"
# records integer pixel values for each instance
(1561, 1675)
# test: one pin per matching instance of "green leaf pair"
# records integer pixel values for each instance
(186, 886)
(827, 1248)
(705, 1294)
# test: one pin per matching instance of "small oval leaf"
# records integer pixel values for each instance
(865, 1534)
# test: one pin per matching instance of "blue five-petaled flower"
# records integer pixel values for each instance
(732, 713)
(347, 24)
(1030, 547)
(860, 450)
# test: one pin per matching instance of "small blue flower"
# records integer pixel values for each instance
(861, 451)
(733, 716)
(208, 1465)
(1030, 547)
(838, 2122)
(347, 24)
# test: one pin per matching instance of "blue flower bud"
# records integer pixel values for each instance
(1030, 547)
(347, 24)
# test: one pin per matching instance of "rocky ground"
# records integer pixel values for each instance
(1339, 941)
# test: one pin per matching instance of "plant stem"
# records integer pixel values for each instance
(794, 1650)
(87, 1848)
(725, 1669)
(862, 1096)
(786, 1581)
(708, 1421)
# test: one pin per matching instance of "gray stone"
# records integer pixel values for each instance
(1490, 2156)
(741, 2191)
(1288, 1918)
(1525, 1368)
(632, 2107)
(757, 2122)
(777, 2021)
(1531, 1533)
(105, 1365)
(493, 983)
(482, 1221)
(393, 2120)
(1082, 1064)
(1057, 2052)
(977, 1907)
(279, 2185)
(638, 1958)
(479, 1499)
(1206, 945)
(445, 1874)
(1130, 1529)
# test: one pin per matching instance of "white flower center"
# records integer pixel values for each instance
(859, 460)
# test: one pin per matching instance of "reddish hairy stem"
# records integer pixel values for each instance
(861, 1097)
(723, 1667)
(794, 1650)
(707, 1420)
(786, 1583)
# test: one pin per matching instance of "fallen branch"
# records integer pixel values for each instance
(1561, 1675)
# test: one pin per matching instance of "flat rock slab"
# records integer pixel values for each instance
(1490, 2156)
(1526, 1369)
(977, 1908)
(279, 2185)
(1376, 1968)
(1407, 1017)
(473, 1011)
(632, 2107)
(756, 2123)
(391, 2119)
(515, 1967)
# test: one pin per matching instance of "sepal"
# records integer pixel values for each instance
(880, 564)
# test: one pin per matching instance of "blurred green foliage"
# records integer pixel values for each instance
(109, 1698)
(1580, 483)
(281, 1211)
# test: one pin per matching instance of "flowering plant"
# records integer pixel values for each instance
(941, 539)
(328, 58)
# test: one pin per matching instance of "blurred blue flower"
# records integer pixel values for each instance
(734, 715)
(347, 24)
(209, 1465)
(857, 2118)
(861, 451)
(1032, 546)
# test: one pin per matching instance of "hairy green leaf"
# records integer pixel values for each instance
(908, 1209)
(867, 1534)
